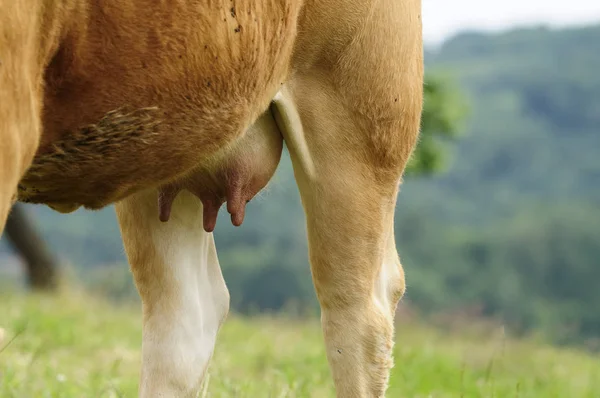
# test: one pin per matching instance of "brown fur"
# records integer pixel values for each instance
(210, 73)
(120, 98)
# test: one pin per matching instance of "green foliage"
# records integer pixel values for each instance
(444, 111)
(76, 346)
(512, 226)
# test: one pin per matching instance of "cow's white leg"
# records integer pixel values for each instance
(184, 297)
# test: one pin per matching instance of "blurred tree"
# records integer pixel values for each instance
(445, 108)
(41, 264)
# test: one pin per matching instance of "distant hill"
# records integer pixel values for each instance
(513, 226)
(535, 120)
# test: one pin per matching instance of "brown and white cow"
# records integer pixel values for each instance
(169, 109)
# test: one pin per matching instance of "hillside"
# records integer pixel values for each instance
(513, 226)
(533, 133)
(509, 230)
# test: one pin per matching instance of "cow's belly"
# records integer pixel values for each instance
(234, 174)
(133, 107)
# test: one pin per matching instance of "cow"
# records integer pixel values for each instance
(170, 110)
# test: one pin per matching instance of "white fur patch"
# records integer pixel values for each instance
(180, 330)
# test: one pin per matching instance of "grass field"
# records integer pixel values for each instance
(77, 346)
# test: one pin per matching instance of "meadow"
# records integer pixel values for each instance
(75, 345)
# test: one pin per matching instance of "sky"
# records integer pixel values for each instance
(443, 18)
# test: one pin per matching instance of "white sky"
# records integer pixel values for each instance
(443, 18)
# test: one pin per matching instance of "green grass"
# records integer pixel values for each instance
(77, 346)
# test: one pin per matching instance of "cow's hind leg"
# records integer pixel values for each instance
(351, 128)
(184, 296)
(19, 96)
(349, 203)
